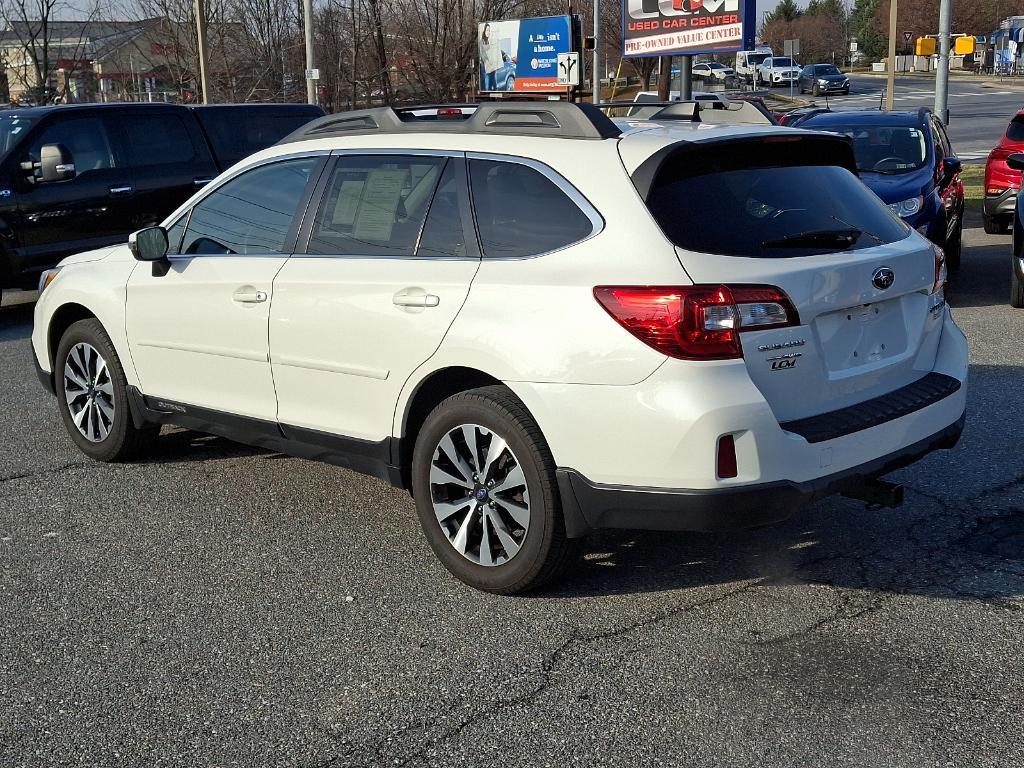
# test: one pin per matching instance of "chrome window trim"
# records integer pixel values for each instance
(215, 185)
(597, 222)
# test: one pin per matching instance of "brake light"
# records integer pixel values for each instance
(697, 322)
(941, 274)
(449, 112)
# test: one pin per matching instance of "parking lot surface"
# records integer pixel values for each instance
(223, 606)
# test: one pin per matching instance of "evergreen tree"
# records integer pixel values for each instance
(871, 43)
(786, 10)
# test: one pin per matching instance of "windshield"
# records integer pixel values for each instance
(767, 201)
(12, 128)
(885, 148)
(757, 58)
(782, 62)
(716, 65)
(828, 69)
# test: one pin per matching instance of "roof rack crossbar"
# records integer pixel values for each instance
(554, 119)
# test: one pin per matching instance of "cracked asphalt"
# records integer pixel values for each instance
(222, 606)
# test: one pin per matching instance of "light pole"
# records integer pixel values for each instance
(890, 87)
(597, 53)
(307, 12)
(942, 73)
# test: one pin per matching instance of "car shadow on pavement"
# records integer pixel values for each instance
(177, 445)
(983, 279)
(959, 534)
(16, 322)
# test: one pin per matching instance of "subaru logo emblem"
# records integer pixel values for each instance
(481, 494)
(883, 278)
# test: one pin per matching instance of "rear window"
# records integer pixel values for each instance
(767, 201)
(236, 133)
(1015, 131)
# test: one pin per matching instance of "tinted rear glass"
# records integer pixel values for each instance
(237, 133)
(782, 62)
(767, 201)
(1015, 131)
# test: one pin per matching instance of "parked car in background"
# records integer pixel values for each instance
(747, 61)
(651, 98)
(775, 334)
(822, 78)
(907, 160)
(1001, 181)
(713, 70)
(83, 176)
(794, 117)
(777, 70)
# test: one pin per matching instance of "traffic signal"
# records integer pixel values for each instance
(925, 46)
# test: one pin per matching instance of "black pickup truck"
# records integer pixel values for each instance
(84, 176)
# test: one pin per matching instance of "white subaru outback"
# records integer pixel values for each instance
(538, 320)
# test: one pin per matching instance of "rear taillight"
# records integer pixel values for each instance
(697, 322)
(941, 274)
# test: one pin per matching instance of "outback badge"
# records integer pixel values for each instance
(883, 278)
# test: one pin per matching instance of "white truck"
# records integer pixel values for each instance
(748, 61)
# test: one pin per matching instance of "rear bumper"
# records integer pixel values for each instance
(588, 506)
(1001, 205)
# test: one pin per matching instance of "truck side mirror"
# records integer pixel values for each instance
(56, 163)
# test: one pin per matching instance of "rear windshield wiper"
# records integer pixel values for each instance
(837, 239)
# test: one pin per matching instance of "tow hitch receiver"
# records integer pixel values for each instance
(875, 493)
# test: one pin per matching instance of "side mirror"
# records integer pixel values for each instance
(149, 244)
(952, 167)
(1016, 161)
(56, 163)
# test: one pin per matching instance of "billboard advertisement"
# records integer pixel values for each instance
(522, 54)
(673, 27)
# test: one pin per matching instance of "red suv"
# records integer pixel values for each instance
(1001, 181)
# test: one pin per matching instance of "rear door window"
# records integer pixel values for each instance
(1015, 131)
(767, 201)
(521, 212)
(237, 132)
(158, 139)
(376, 205)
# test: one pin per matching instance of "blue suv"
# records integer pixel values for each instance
(906, 159)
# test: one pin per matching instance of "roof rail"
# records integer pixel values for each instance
(736, 112)
(556, 119)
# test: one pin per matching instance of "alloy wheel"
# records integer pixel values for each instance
(89, 392)
(479, 494)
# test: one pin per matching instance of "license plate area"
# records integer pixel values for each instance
(864, 336)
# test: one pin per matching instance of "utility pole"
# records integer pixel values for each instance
(942, 73)
(890, 87)
(597, 52)
(201, 39)
(307, 23)
(685, 77)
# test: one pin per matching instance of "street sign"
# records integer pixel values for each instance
(569, 68)
(791, 48)
(908, 36)
(312, 74)
(853, 46)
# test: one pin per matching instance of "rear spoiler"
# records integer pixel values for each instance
(804, 148)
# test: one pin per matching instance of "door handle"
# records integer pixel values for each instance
(120, 191)
(249, 296)
(415, 297)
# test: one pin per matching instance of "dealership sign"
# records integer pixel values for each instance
(670, 27)
(521, 55)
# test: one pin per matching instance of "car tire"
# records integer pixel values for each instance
(815, 90)
(1016, 287)
(92, 395)
(846, 91)
(995, 225)
(510, 84)
(954, 248)
(521, 526)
